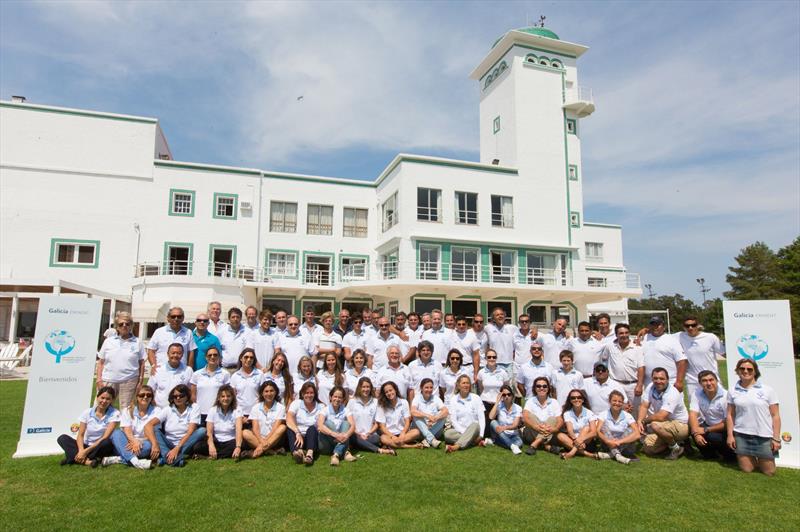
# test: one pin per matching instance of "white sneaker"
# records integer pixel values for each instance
(603, 456)
(622, 459)
(112, 460)
(426, 444)
(488, 441)
(515, 449)
(435, 443)
(140, 463)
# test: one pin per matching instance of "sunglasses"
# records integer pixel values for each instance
(201, 321)
(179, 396)
(690, 325)
(357, 322)
(524, 321)
(600, 370)
(542, 386)
(248, 357)
(746, 370)
(180, 317)
(123, 324)
(478, 322)
(455, 358)
(491, 358)
(505, 395)
(576, 398)
(145, 396)
(536, 349)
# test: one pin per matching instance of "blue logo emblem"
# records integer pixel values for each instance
(59, 343)
(753, 347)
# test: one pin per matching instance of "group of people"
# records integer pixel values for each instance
(270, 384)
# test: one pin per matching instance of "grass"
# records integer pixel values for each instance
(476, 489)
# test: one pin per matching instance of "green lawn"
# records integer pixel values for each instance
(485, 489)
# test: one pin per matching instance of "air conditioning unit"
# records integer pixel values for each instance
(246, 205)
(146, 270)
(248, 274)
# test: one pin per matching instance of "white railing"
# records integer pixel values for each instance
(579, 94)
(547, 276)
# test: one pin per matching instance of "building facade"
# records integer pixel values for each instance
(94, 203)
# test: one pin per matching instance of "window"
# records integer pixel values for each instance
(282, 263)
(428, 262)
(547, 269)
(283, 217)
(389, 264)
(178, 258)
(74, 253)
(467, 208)
(421, 306)
(318, 270)
(538, 314)
(390, 212)
(574, 219)
(597, 282)
(572, 127)
(496, 125)
(428, 204)
(223, 260)
(466, 307)
(502, 266)
(320, 220)
(181, 202)
(464, 264)
(502, 211)
(594, 252)
(355, 222)
(225, 205)
(558, 313)
(320, 307)
(354, 268)
(573, 172)
(274, 304)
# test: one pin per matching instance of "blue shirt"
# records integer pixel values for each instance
(203, 343)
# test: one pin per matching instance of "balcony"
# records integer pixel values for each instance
(579, 100)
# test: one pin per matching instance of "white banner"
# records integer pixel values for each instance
(62, 369)
(762, 331)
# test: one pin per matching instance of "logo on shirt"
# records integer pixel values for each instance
(752, 346)
(59, 343)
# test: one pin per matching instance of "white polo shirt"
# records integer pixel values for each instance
(701, 351)
(246, 387)
(323, 340)
(584, 354)
(430, 407)
(279, 381)
(295, 347)
(207, 386)
(325, 383)
(304, 417)
(553, 345)
(463, 412)
(447, 380)
(394, 418)
(176, 425)
(414, 337)
(711, 411)
(529, 372)
(267, 417)
(670, 401)
(466, 344)
(137, 422)
(751, 414)
(166, 378)
(544, 411)
(623, 364)
(661, 351)
(351, 379)
(565, 382)
(421, 371)
(264, 344)
(598, 393)
(502, 341)
(522, 347)
(440, 338)
(377, 346)
(491, 381)
(121, 358)
(399, 375)
(224, 423)
(483, 344)
(579, 421)
(164, 336)
(233, 343)
(336, 417)
(96, 427)
(214, 327)
(363, 413)
(310, 332)
(616, 428)
(355, 341)
(507, 417)
(299, 381)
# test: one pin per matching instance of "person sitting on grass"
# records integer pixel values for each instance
(224, 428)
(663, 418)
(578, 432)
(708, 406)
(335, 426)
(133, 446)
(451, 373)
(618, 431)
(466, 416)
(94, 432)
(394, 419)
(176, 427)
(267, 422)
(506, 419)
(301, 423)
(363, 407)
(542, 418)
(429, 414)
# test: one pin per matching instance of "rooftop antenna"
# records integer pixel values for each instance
(541, 21)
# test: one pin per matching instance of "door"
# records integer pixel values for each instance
(178, 260)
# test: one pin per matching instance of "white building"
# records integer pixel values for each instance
(93, 202)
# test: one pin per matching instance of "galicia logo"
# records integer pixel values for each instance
(752, 347)
(59, 343)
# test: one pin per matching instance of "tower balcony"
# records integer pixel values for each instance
(579, 100)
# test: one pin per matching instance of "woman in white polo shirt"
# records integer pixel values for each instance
(542, 417)
(394, 420)
(177, 427)
(328, 377)
(301, 423)
(506, 418)
(429, 414)
(618, 431)
(279, 373)
(268, 422)
(579, 430)
(490, 379)
(450, 374)
(359, 371)
(305, 373)
(207, 381)
(120, 362)
(327, 341)
(466, 417)
(363, 406)
(224, 428)
(134, 447)
(753, 421)
(246, 381)
(335, 425)
(93, 442)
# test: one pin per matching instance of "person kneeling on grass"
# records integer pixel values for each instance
(663, 417)
(335, 426)
(429, 414)
(94, 432)
(506, 419)
(224, 428)
(301, 423)
(133, 445)
(579, 426)
(176, 427)
(618, 431)
(267, 421)
(394, 419)
(542, 418)
(708, 406)
(467, 417)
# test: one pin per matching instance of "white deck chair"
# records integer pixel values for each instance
(9, 359)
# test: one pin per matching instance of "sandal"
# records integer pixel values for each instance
(308, 459)
(298, 457)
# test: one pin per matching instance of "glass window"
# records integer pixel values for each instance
(355, 222)
(281, 264)
(389, 264)
(573, 172)
(594, 251)
(496, 124)
(320, 220)
(572, 127)
(276, 304)
(421, 306)
(464, 265)
(354, 268)
(428, 262)
(502, 266)
(182, 203)
(467, 208)
(574, 219)
(428, 200)
(389, 209)
(318, 270)
(502, 211)
(283, 217)
(538, 314)
(75, 254)
(597, 282)
(546, 269)
(224, 206)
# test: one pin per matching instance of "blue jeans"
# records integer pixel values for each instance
(165, 447)
(432, 433)
(326, 443)
(504, 440)
(120, 442)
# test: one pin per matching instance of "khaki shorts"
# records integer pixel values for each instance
(652, 444)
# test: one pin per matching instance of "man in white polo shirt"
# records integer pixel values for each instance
(479, 330)
(294, 344)
(625, 363)
(522, 340)
(701, 350)
(310, 327)
(533, 369)
(707, 410)
(599, 386)
(604, 334)
(554, 342)
(214, 312)
(251, 318)
(662, 350)
(121, 361)
(168, 376)
(585, 349)
(663, 417)
(439, 336)
(234, 337)
(378, 344)
(173, 332)
(501, 339)
(464, 340)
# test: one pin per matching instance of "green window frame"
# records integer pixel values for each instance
(282, 269)
(573, 172)
(175, 269)
(572, 126)
(353, 273)
(69, 252)
(231, 201)
(173, 199)
(496, 124)
(574, 219)
(219, 270)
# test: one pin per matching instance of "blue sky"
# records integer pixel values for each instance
(694, 147)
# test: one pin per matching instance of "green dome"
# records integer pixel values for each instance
(542, 32)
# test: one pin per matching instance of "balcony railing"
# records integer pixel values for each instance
(579, 100)
(289, 272)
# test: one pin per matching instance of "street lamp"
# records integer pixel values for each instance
(703, 290)
(650, 292)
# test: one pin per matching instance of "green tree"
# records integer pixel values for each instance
(711, 317)
(679, 307)
(756, 276)
(788, 258)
